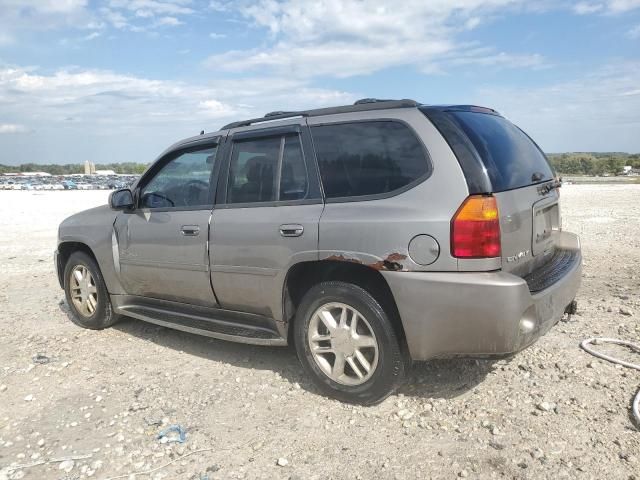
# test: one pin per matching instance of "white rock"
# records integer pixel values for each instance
(67, 465)
(546, 406)
(28, 398)
(3, 387)
(282, 462)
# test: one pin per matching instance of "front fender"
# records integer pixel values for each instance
(94, 229)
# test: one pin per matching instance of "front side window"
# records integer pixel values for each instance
(183, 182)
(267, 170)
(367, 158)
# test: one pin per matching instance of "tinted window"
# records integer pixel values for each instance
(367, 158)
(293, 179)
(252, 173)
(511, 158)
(182, 182)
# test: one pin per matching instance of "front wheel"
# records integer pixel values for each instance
(86, 293)
(347, 344)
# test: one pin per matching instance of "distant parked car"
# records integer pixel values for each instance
(368, 235)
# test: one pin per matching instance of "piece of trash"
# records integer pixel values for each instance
(179, 434)
(40, 359)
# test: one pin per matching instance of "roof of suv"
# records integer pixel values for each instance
(359, 106)
(365, 104)
(362, 105)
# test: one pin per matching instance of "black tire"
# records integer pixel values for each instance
(103, 316)
(393, 362)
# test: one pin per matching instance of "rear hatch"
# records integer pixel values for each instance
(516, 171)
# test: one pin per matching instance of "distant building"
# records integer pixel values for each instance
(104, 172)
(630, 171)
(89, 168)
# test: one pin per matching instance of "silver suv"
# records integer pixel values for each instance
(367, 235)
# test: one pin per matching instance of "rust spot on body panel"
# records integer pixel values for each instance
(391, 263)
(342, 258)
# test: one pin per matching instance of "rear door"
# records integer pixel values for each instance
(521, 179)
(266, 216)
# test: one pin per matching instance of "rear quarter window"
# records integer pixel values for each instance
(511, 158)
(368, 158)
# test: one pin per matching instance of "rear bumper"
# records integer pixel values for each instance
(493, 313)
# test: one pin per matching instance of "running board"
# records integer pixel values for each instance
(211, 322)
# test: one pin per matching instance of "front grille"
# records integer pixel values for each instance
(552, 271)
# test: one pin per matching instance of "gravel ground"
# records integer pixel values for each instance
(551, 411)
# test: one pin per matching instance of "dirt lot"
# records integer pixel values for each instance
(549, 412)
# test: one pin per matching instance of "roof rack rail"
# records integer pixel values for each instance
(360, 106)
(278, 113)
(364, 101)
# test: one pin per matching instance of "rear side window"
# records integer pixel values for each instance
(511, 158)
(267, 169)
(368, 158)
(252, 173)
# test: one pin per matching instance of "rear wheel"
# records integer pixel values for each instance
(346, 342)
(86, 293)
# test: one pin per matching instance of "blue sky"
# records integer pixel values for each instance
(119, 80)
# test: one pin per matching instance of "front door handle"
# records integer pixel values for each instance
(290, 230)
(190, 230)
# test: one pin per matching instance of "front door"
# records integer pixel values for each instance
(163, 243)
(266, 219)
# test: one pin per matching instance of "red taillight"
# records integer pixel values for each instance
(475, 228)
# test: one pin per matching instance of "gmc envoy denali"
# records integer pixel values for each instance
(368, 235)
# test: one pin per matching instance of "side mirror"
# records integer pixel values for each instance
(121, 199)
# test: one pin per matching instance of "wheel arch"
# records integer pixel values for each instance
(304, 275)
(65, 249)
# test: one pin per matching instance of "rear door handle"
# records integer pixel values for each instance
(190, 230)
(290, 230)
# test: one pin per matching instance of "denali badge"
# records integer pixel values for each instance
(518, 256)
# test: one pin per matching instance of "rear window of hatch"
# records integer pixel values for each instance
(511, 159)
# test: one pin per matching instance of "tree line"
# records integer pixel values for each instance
(130, 168)
(591, 163)
(588, 163)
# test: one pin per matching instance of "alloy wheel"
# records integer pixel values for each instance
(343, 344)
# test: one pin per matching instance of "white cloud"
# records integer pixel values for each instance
(608, 6)
(597, 112)
(12, 128)
(77, 103)
(584, 8)
(91, 36)
(634, 33)
(343, 38)
(154, 7)
(5, 39)
(145, 15)
(42, 14)
(216, 36)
